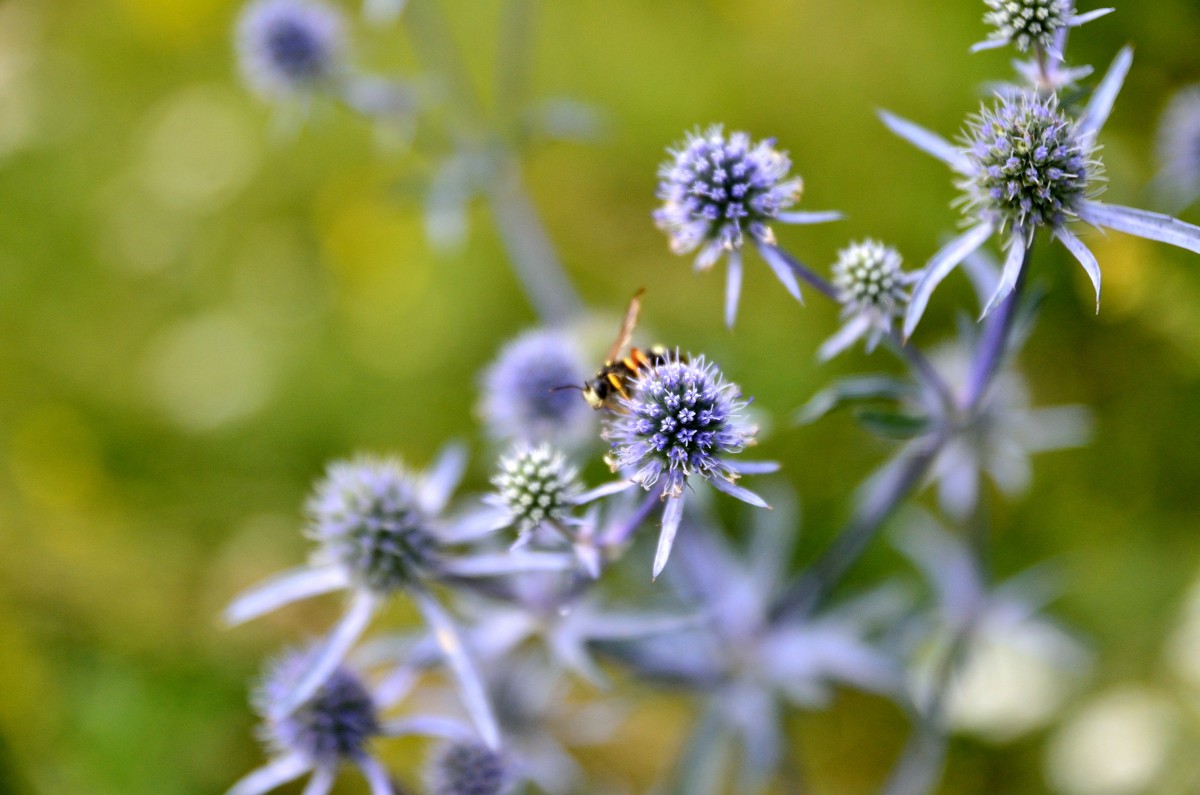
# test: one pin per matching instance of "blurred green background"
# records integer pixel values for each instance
(197, 312)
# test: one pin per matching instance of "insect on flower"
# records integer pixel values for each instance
(618, 371)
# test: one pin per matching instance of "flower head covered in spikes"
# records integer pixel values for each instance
(381, 532)
(332, 726)
(716, 190)
(1026, 165)
(289, 48)
(1032, 24)
(682, 420)
(534, 486)
(872, 290)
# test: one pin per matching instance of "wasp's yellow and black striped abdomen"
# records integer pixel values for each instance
(614, 377)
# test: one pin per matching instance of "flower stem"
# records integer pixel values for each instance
(883, 493)
(994, 344)
(522, 233)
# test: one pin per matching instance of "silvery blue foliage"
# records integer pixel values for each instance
(467, 767)
(1027, 24)
(333, 726)
(717, 190)
(522, 397)
(750, 665)
(1025, 165)
(987, 626)
(872, 291)
(289, 48)
(1179, 147)
(682, 420)
(997, 438)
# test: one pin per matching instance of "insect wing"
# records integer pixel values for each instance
(627, 327)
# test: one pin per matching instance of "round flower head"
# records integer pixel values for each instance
(522, 395)
(288, 47)
(535, 485)
(332, 725)
(1026, 165)
(368, 517)
(1179, 146)
(466, 767)
(682, 419)
(716, 189)
(871, 288)
(1039, 24)
(1031, 166)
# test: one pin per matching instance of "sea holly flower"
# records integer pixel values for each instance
(1034, 24)
(717, 189)
(534, 486)
(289, 48)
(1179, 147)
(523, 399)
(1025, 165)
(466, 767)
(871, 288)
(380, 531)
(332, 726)
(682, 420)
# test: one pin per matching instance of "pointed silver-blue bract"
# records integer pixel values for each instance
(717, 189)
(682, 420)
(333, 726)
(1030, 24)
(1025, 165)
(288, 48)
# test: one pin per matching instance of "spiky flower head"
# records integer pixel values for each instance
(536, 484)
(334, 724)
(681, 419)
(716, 188)
(1027, 23)
(288, 47)
(873, 291)
(868, 278)
(467, 767)
(368, 517)
(1030, 166)
(522, 395)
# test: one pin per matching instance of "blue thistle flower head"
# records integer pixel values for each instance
(534, 485)
(1033, 24)
(522, 400)
(468, 767)
(872, 289)
(682, 419)
(1027, 22)
(288, 47)
(1029, 165)
(716, 188)
(368, 516)
(334, 724)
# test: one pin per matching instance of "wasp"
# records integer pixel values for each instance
(614, 377)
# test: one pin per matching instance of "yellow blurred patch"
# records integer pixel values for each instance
(1127, 267)
(178, 22)
(54, 457)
